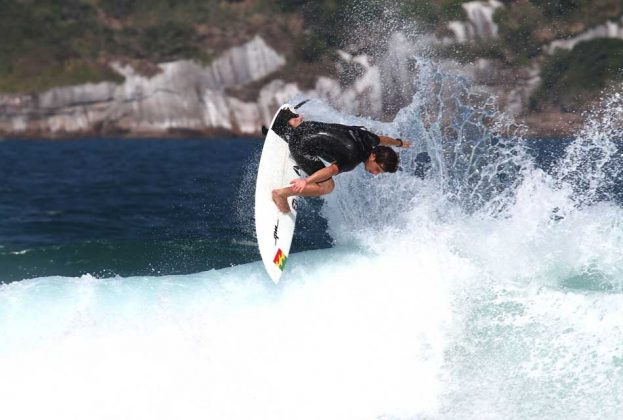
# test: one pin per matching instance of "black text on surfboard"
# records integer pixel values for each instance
(275, 235)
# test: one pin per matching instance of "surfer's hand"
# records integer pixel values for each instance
(406, 144)
(298, 185)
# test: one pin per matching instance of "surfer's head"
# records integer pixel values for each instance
(282, 125)
(382, 159)
(286, 119)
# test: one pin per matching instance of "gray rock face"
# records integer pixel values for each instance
(479, 24)
(183, 96)
(610, 29)
(243, 64)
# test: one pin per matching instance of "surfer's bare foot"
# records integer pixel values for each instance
(281, 202)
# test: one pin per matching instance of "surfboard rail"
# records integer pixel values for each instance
(274, 229)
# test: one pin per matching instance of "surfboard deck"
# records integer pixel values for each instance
(273, 228)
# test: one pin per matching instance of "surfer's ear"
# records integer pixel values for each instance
(264, 130)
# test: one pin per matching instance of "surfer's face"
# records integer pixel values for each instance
(372, 166)
(295, 122)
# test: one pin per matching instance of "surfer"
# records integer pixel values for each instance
(324, 150)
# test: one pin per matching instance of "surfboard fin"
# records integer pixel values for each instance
(301, 104)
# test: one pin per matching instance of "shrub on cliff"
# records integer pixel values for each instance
(49, 43)
(46, 44)
(570, 79)
(518, 25)
(590, 12)
(434, 12)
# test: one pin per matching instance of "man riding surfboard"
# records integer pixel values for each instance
(313, 144)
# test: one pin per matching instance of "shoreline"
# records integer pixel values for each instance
(146, 136)
(552, 124)
(543, 125)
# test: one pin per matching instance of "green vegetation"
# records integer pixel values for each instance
(518, 26)
(571, 78)
(46, 43)
(326, 24)
(433, 13)
(525, 26)
(323, 29)
(468, 53)
(32, 78)
(588, 12)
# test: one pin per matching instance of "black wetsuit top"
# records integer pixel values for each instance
(346, 146)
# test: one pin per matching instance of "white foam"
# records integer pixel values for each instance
(464, 295)
(356, 338)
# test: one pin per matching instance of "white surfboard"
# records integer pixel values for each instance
(274, 229)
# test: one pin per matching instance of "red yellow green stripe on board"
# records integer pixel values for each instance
(280, 259)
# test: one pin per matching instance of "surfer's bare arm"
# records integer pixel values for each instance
(298, 185)
(390, 141)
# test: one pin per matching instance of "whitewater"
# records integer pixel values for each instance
(487, 289)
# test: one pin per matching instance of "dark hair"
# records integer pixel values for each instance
(387, 158)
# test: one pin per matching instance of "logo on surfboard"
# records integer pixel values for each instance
(280, 259)
(275, 233)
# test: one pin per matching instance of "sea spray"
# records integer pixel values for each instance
(487, 288)
(536, 331)
(592, 164)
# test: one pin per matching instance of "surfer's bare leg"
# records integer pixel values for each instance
(280, 196)
(281, 200)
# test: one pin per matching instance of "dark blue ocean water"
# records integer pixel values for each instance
(132, 207)
(143, 207)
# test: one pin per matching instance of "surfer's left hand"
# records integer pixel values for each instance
(298, 185)
(405, 144)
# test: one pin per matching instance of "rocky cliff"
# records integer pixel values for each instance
(185, 97)
(182, 97)
(514, 85)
